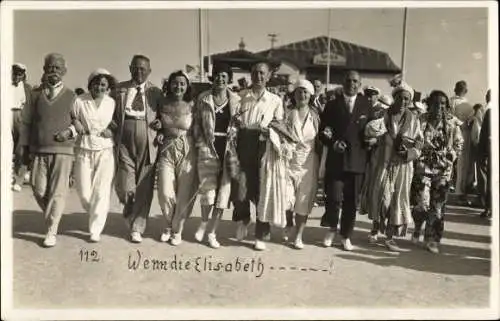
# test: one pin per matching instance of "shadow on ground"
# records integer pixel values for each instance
(454, 260)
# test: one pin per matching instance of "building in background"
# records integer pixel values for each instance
(309, 58)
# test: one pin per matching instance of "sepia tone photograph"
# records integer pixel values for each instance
(249, 160)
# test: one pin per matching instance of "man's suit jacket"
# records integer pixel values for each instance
(485, 137)
(154, 99)
(347, 127)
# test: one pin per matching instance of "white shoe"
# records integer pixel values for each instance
(392, 246)
(165, 236)
(50, 240)
(17, 188)
(329, 237)
(260, 245)
(433, 247)
(298, 244)
(286, 234)
(200, 233)
(176, 239)
(212, 241)
(346, 244)
(372, 239)
(27, 177)
(241, 231)
(94, 238)
(135, 237)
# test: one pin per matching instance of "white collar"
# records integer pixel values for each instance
(349, 98)
(262, 98)
(58, 85)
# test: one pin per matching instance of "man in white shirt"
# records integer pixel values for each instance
(21, 95)
(462, 110)
(258, 108)
(137, 103)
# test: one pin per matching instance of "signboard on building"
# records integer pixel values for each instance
(335, 59)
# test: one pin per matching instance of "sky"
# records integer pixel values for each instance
(444, 45)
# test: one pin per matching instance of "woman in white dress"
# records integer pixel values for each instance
(302, 120)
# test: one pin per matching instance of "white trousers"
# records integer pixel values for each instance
(94, 172)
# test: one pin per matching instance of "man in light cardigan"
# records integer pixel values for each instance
(45, 135)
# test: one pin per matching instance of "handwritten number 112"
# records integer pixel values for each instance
(89, 256)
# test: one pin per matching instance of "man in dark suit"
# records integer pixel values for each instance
(484, 160)
(341, 130)
(137, 103)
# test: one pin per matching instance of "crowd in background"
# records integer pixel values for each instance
(394, 156)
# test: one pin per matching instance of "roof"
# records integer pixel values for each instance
(239, 58)
(302, 53)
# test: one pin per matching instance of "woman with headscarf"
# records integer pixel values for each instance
(94, 165)
(399, 143)
(442, 145)
(214, 111)
(303, 121)
(177, 175)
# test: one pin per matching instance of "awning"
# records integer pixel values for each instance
(241, 58)
(312, 54)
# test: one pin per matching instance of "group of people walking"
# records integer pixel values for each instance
(239, 148)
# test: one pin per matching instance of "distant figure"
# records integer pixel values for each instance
(484, 160)
(474, 123)
(319, 97)
(79, 91)
(21, 98)
(462, 110)
(372, 94)
(243, 83)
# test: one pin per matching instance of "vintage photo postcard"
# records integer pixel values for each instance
(249, 160)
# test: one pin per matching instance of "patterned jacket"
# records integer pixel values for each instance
(209, 165)
(442, 145)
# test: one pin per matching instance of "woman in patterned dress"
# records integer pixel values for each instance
(442, 145)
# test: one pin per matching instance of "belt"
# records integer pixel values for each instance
(14, 109)
(220, 134)
(134, 117)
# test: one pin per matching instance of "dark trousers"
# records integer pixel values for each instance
(20, 165)
(246, 189)
(484, 180)
(135, 174)
(342, 194)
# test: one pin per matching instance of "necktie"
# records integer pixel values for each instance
(138, 103)
(348, 102)
(52, 92)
